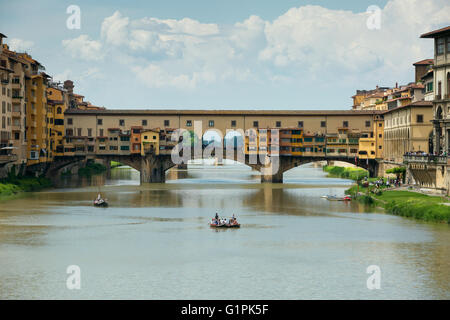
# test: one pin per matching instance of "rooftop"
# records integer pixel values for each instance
(436, 33)
(152, 112)
(414, 104)
(424, 62)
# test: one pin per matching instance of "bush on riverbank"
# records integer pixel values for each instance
(405, 203)
(346, 172)
(419, 209)
(115, 164)
(13, 185)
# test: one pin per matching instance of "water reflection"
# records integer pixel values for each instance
(154, 240)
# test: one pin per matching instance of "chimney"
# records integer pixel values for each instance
(68, 85)
(1, 38)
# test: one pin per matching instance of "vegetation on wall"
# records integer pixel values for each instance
(91, 168)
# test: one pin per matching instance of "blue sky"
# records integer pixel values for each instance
(225, 54)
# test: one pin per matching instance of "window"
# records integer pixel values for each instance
(89, 132)
(420, 118)
(166, 123)
(101, 132)
(211, 123)
(59, 110)
(144, 122)
(233, 123)
(440, 46)
(121, 122)
(16, 135)
(380, 124)
(69, 121)
(188, 123)
(345, 124)
(323, 124)
(124, 138)
(380, 135)
(99, 122)
(300, 124)
(367, 124)
(125, 148)
(255, 124)
(79, 132)
(278, 124)
(448, 44)
(59, 122)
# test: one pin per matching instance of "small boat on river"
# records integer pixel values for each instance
(100, 202)
(224, 223)
(335, 198)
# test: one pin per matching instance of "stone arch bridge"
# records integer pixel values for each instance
(153, 167)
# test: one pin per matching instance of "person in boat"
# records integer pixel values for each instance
(99, 197)
(216, 217)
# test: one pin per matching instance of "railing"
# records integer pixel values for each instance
(4, 158)
(425, 159)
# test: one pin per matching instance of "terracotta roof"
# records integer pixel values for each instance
(143, 112)
(424, 62)
(436, 33)
(422, 103)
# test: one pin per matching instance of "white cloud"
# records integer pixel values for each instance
(305, 44)
(84, 48)
(20, 45)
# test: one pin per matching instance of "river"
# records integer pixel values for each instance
(154, 242)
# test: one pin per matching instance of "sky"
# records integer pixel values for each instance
(246, 54)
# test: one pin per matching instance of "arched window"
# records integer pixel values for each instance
(439, 113)
(59, 110)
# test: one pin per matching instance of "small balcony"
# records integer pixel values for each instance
(17, 99)
(16, 114)
(5, 158)
(15, 127)
(426, 159)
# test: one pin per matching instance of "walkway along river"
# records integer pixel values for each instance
(154, 242)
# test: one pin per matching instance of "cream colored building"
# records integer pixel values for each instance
(407, 129)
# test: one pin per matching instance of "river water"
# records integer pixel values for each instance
(154, 242)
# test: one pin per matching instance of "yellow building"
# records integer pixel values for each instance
(57, 105)
(150, 142)
(37, 132)
(371, 143)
